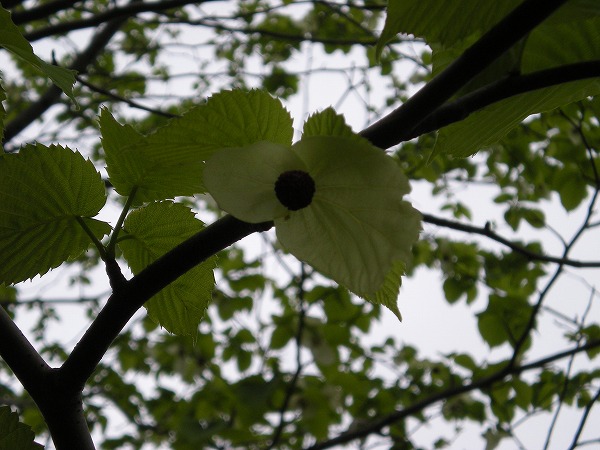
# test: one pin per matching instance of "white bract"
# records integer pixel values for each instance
(356, 230)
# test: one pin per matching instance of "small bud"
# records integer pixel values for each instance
(295, 189)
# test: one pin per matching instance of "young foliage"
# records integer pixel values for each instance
(151, 232)
(13, 41)
(48, 196)
(14, 434)
(169, 162)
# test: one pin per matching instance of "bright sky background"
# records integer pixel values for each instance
(430, 323)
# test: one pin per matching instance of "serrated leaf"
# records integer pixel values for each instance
(327, 123)
(155, 175)
(170, 162)
(43, 192)
(448, 21)
(488, 125)
(151, 232)
(13, 41)
(14, 434)
(387, 294)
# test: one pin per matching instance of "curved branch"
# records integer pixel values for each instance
(501, 374)
(487, 232)
(24, 360)
(475, 59)
(132, 294)
(122, 13)
(462, 107)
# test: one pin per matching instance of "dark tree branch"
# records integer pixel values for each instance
(292, 386)
(59, 402)
(588, 408)
(475, 59)
(122, 99)
(487, 232)
(462, 107)
(501, 374)
(521, 343)
(42, 11)
(132, 295)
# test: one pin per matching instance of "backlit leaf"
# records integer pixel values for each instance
(151, 232)
(15, 435)
(43, 190)
(327, 123)
(170, 162)
(13, 41)
(488, 125)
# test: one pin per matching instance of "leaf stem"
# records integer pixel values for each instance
(92, 236)
(115, 235)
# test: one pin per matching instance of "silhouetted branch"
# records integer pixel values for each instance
(464, 106)
(41, 11)
(122, 99)
(525, 17)
(377, 425)
(132, 295)
(121, 13)
(488, 232)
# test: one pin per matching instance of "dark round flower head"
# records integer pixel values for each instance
(295, 189)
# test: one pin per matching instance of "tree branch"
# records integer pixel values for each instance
(122, 13)
(378, 425)
(42, 11)
(59, 401)
(487, 232)
(132, 295)
(481, 54)
(462, 107)
(24, 360)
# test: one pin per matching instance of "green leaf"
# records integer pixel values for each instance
(504, 320)
(387, 294)
(448, 21)
(155, 174)
(488, 125)
(170, 162)
(13, 41)
(327, 123)
(151, 232)
(357, 225)
(14, 434)
(43, 192)
(2, 116)
(559, 44)
(443, 22)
